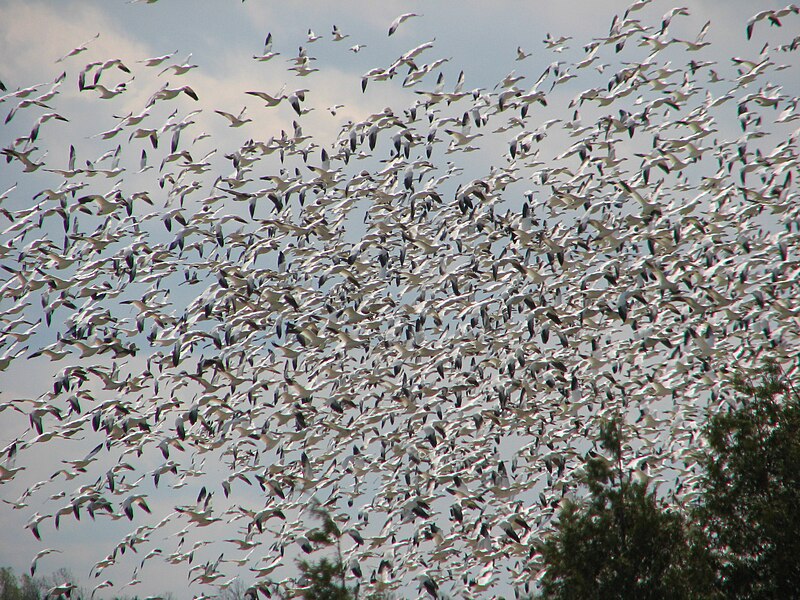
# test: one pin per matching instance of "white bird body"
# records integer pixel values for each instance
(399, 20)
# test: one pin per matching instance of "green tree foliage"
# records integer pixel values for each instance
(750, 507)
(12, 588)
(325, 579)
(621, 542)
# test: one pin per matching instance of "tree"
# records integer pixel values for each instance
(10, 588)
(751, 483)
(621, 542)
(58, 585)
(325, 579)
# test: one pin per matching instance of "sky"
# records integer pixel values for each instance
(40, 40)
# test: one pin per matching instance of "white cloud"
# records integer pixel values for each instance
(33, 35)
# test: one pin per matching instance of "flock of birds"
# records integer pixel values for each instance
(415, 327)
